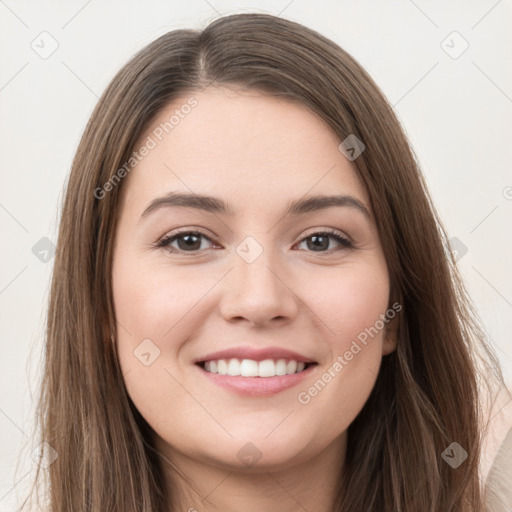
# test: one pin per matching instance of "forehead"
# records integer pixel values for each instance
(241, 144)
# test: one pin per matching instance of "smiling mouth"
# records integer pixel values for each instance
(250, 368)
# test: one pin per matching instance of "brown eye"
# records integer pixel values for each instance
(187, 241)
(319, 242)
(191, 242)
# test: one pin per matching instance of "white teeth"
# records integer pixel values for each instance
(222, 367)
(251, 368)
(281, 367)
(267, 368)
(291, 367)
(234, 367)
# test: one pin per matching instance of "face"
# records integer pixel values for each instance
(258, 287)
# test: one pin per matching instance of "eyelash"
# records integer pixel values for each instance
(168, 239)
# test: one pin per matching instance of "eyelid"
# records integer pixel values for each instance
(346, 242)
(328, 231)
(164, 240)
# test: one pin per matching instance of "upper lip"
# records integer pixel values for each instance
(256, 354)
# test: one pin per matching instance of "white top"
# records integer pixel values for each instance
(496, 461)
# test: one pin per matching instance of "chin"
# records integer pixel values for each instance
(256, 454)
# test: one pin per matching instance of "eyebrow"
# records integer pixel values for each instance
(216, 205)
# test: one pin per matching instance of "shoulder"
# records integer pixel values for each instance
(498, 485)
(496, 469)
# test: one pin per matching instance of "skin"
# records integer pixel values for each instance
(257, 153)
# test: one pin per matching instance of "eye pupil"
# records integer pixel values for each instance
(316, 245)
(189, 242)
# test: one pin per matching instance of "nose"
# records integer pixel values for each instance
(259, 292)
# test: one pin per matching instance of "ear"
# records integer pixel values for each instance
(108, 331)
(390, 335)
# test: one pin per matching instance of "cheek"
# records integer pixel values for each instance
(151, 305)
(351, 306)
(150, 299)
(146, 309)
(158, 308)
(351, 301)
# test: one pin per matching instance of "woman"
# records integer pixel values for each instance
(253, 306)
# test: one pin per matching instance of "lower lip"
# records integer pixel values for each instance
(257, 386)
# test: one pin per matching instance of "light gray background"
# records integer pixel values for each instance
(457, 113)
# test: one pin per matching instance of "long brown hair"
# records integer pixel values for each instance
(427, 394)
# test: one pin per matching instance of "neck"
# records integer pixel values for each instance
(199, 486)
